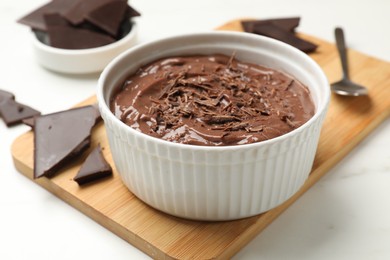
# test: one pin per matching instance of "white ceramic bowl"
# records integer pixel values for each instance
(82, 61)
(215, 183)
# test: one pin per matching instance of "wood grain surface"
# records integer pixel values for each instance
(161, 236)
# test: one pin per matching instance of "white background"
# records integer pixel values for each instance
(346, 215)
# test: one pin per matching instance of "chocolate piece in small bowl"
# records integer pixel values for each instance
(207, 182)
(81, 36)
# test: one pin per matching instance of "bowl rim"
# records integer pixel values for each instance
(90, 51)
(320, 110)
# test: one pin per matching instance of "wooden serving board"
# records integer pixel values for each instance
(161, 236)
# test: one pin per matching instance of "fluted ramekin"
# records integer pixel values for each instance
(214, 183)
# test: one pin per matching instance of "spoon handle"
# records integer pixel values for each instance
(340, 42)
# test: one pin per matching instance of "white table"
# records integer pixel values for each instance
(346, 215)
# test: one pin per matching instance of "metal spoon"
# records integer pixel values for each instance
(345, 86)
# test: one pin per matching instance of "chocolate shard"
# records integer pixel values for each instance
(77, 13)
(288, 24)
(36, 19)
(59, 137)
(94, 168)
(65, 36)
(108, 17)
(131, 12)
(13, 112)
(277, 33)
(31, 120)
(5, 95)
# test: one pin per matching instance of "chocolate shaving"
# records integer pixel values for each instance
(220, 119)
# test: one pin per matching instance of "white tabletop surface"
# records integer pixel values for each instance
(346, 215)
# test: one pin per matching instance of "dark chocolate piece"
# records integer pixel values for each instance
(108, 17)
(36, 20)
(59, 137)
(131, 12)
(77, 13)
(31, 121)
(5, 95)
(94, 168)
(65, 36)
(287, 24)
(13, 112)
(277, 33)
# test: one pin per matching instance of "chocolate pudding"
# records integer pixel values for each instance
(213, 100)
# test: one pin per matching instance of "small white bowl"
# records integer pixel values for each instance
(207, 182)
(82, 61)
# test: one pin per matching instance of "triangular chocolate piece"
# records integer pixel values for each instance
(13, 112)
(131, 12)
(95, 167)
(277, 33)
(108, 17)
(60, 136)
(65, 36)
(77, 13)
(31, 120)
(35, 19)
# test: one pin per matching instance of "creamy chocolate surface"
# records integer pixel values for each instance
(212, 100)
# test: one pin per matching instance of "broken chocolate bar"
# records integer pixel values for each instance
(35, 19)
(282, 29)
(288, 24)
(63, 35)
(83, 24)
(13, 112)
(77, 13)
(31, 120)
(108, 17)
(277, 33)
(94, 168)
(59, 137)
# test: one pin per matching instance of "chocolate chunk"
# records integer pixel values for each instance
(94, 168)
(63, 35)
(36, 20)
(59, 137)
(80, 24)
(5, 95)
(287, 24)
(109, 16)
(13, 112)
(277, 33)
(31, 121)
(77, 13)
(282, 29)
